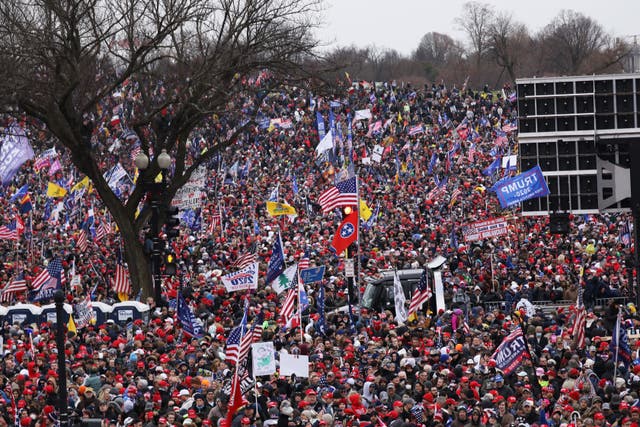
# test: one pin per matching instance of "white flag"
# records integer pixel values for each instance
(285, 280)
(325, 144)
(398, 295)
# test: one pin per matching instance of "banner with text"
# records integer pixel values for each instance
(247, 278)
(483, 229)
(527, 185)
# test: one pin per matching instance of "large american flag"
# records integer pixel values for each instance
(104, 229)
(233, 341)
(289, 305)
(342, 194)
(421, 294)
(244, 260)
(83, 242)
(254, 335)
(49, 277)
(121, 283)
(16, 285)
(9, 232)
(580, 323)
(304, 261)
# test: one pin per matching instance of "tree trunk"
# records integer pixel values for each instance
(139, 265)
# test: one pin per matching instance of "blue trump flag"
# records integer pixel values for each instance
(276, 261)
(510, 352)
(15, 150)
(321, 324)
(320, 123)
(493, 167)
(527, 185)
(619, 344)
(190, 324)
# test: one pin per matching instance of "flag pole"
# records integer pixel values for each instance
(356, 279)
(617, 338)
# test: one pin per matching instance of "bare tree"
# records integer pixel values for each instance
(188, 59)
(570, 39)
(507, 43)
(434, 51)
(475, 20)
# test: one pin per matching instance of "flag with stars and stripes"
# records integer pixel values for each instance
(244, 260)
(421, 295)
(342, 194)
(9, 232)
(15, 286)
(47, 281)
(82, 242)
(121, 283)
(304, 261)
(580, 323)
(232, 350)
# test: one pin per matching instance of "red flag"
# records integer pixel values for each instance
(235, 400)
(347, 233)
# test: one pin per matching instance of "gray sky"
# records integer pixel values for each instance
(399, 24)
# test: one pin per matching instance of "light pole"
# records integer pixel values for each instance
(157, 191)
(62, 369)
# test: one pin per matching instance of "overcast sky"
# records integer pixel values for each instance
(400, 24)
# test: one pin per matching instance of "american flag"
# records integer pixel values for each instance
(438, 191)
(235, 337)
(342, 194)
(415, 130)
(9, 232)
(83, 242)
(16, 285)
(254, 335)
(580, 323)
(510, 127)
(289, 305)
(49, 277)
(244, 260)
(135, 150)
(216, 221)
(625, 234)
(104, 228)
(454, 197)
(303, 264)
(421, 294)
(121, 283)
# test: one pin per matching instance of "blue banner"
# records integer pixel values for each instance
(190, 324)
(320, 123)
(311, 275)
(14, 152)
(510, 352)
(527, 185)
(276, 262)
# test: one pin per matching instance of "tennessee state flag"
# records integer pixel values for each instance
(346, 234)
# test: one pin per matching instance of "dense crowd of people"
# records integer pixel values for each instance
(421, 159)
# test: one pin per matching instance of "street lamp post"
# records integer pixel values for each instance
(157, 194)
(62, 369)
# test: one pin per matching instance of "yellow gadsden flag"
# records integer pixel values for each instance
(365, 211)
(54, 190)
(277, 209)
(84, 183)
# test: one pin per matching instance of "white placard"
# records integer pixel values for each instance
(349, 269)
(437, 278)
(263, 358)
(376, 157)
(294, 364)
